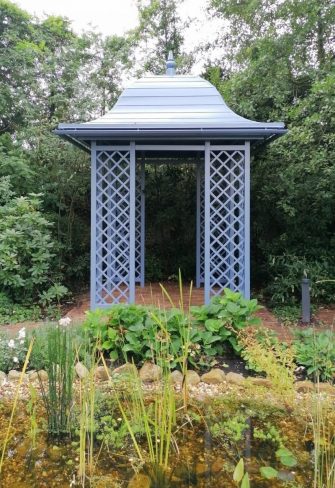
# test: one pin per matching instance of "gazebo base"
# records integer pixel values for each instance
(150, 294)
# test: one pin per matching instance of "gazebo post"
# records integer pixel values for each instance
(93, 225)
(247, 220)
(132, 173)
(207, 263)
(198, 229)
(142, 273)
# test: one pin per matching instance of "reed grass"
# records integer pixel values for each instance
(58, 399)
(87, 400)
(323, 425)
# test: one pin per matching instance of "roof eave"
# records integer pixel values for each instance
(79, 135)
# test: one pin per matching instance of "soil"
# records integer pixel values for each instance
(152, 294)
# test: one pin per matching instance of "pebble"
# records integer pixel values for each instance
(81, 370)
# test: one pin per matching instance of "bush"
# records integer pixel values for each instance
(26, 248)
(227, 315)
(12, 351)
(137, 333)
(316, 351)
(12, 312)
(288, 270)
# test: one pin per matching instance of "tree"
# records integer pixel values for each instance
(160, 31)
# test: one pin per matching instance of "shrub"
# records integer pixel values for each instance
(13, 351)
(288, 270)
(316, 351)
(226, 315)
(139, 333)
(26, 248)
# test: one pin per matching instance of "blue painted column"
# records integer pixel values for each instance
(207, 267)
(93, 226)
(247, 220)
(197, 257)
(132, 184)
(142, 278)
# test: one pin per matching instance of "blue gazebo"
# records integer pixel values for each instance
(170, 117)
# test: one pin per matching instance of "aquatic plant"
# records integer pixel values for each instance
(32, 412)
(87, 394)
(323, 426)
(240, 476)
(58, 399)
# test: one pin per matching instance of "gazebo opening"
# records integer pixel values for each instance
(170, 216)
(175, 119)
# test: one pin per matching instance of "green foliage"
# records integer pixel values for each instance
(135, 332)
(11, 312)
(227, 315)
(316, 351)
(58, 398)
(26, 248)
(288, 271)
(231, 429)
(269, 433)
(268, 473)
(12, 352)
(240, 475)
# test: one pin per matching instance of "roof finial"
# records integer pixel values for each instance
(170, 65)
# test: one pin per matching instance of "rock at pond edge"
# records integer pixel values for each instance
(150, 372)
(214, 377)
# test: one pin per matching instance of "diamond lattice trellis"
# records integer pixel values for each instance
(227, 220)
(112, 227)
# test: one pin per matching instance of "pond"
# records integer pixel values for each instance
(209, 437)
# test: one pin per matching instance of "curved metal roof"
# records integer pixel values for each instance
(171, 105)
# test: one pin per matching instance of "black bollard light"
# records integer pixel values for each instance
(306, 300)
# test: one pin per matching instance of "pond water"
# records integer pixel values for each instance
(209, 440)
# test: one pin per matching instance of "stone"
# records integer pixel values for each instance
(325, 388)
(139, 480)
(32, 376)
(217, 465)
(101, 374)
(235, 378)
(127, 369)
(192, 378)
(81, 370)
(260, 382)
(214, 377)
(201, 469)
(42, 375)
(54, 453)
(3, 378)
(150, 372)
(176, 377)
(304, 386)
(14, 375)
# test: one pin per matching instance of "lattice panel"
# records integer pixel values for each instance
(112, 226)
(202, 223)
(227, 217)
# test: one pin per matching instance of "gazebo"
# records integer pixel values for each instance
(175, 117)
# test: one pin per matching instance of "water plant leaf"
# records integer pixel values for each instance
(245, 482)
(239, 471)
(286, 457)
(268, 473)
